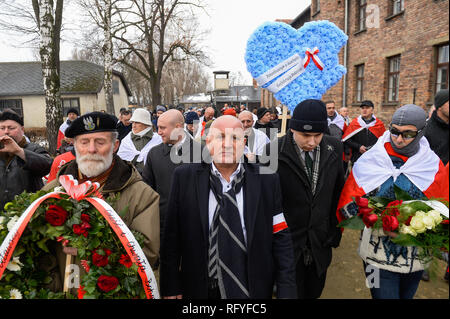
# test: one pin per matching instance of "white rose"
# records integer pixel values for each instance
(436, 216)
(2, 220)
(407, 230)
(11, 222)
(428, 221)
(14, 264)
(15, 294)
(417, 224)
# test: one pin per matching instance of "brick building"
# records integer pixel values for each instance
(397, 52)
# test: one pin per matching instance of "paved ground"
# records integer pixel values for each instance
(345, 278)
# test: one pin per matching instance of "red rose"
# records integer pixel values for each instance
(392, 208)
(101, 260)
(107, 283)
(55, 215)
(390, 223)
(85, 218)
(125, 260)
(362, 202)
(79, 230)
(445, 222)
(81, 292)
(370, 219)
(364, 211)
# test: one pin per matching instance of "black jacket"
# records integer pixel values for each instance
(307, 215)
(267, 129)
(436, 133)
(364, 137)
(123, 130)
(19, 175)
(159, 168)
(184, 249)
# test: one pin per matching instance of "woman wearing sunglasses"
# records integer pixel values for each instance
(401, 157)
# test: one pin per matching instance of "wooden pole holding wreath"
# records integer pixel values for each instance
(284, 117)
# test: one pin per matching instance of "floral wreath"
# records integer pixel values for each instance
(113, 263)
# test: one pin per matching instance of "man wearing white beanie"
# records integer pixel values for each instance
(136, 145)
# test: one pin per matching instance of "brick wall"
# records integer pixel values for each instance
(414, 34)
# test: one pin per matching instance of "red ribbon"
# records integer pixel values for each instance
(312, 55)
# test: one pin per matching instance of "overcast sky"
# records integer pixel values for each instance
(231, 23)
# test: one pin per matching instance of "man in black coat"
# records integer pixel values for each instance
(22, 164)
(311, 177)
(363, 132)
(225, 235)
(436, 130)
(177, 148)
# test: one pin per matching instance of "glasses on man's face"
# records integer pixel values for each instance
(404, 134)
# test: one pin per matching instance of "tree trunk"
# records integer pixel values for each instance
(49, 52)
(108, 54)
(155, 87)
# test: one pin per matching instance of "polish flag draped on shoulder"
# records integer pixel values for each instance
(61, 131)
(424, 169)
(357, 125)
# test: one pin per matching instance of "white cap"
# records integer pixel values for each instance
(141, 116)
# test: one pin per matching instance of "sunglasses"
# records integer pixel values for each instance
(404, 134)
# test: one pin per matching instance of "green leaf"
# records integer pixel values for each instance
(41, 245)
(406, 240)
(400, 194)
(352, 223)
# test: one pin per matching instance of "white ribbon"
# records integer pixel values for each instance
(292, 67)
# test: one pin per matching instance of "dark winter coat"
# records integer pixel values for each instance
(307, 215)
(19, 175)
(436, 133)
(159, 167)
(184, 249)
(364, 137)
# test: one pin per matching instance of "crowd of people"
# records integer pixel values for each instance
(220, 226)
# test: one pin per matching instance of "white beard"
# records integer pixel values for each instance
(92, 165)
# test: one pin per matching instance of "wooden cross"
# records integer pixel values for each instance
(284, 117)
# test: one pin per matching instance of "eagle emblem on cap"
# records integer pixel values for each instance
(88, 124)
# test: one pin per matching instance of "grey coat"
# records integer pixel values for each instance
(20, 175)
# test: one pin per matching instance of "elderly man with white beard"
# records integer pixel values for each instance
(95, 142)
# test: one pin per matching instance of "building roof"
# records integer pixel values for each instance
(196, 98)
(302, 18)
(244, 93)
(77, 77)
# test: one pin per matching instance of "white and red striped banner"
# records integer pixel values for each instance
(124, 234)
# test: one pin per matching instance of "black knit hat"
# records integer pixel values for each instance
(367, 103)
(309, 116)
(440, 98)
(91, 123)
(73, 110)
(261, 112)
(11, 115)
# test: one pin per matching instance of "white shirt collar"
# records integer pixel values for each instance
(217, 173)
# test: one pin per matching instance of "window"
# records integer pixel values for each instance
(115, 87)
(442, 68)
(397, 6)
(361, 15)
(69, 103)
(15, 105)
(393, 78)
(317, 6)
(359, 82)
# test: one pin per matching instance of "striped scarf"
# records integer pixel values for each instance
(227, 246)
